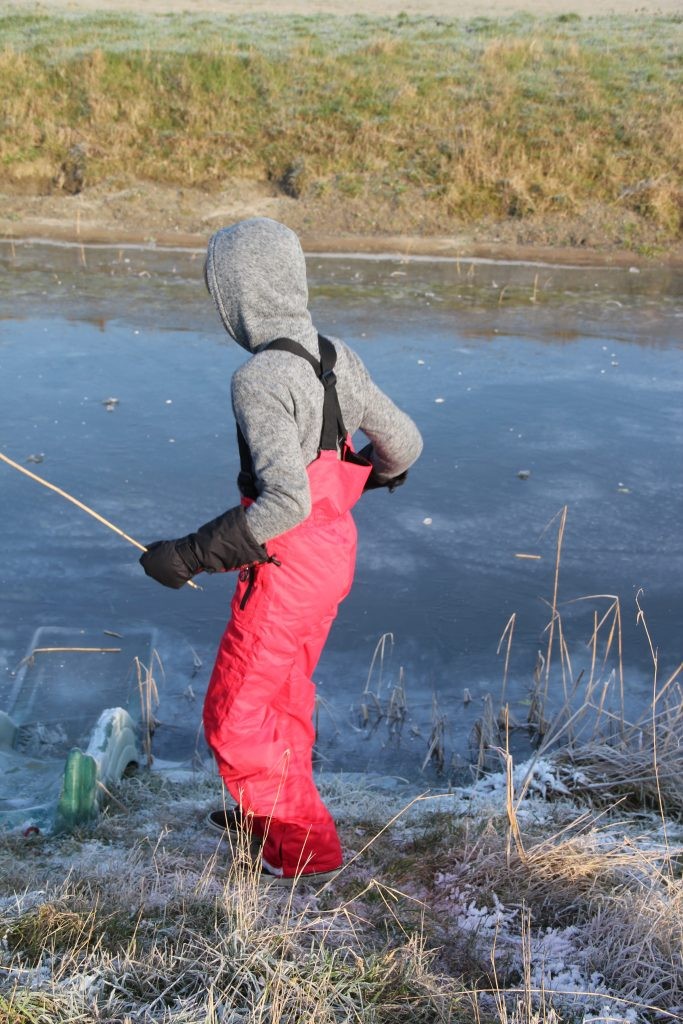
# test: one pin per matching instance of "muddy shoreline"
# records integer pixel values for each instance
(98, 220)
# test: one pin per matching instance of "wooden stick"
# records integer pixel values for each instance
(78, 650)
(57, 650)
(84, 508)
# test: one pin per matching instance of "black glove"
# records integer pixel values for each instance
(224, 543)
(171, 562)
(372, 482)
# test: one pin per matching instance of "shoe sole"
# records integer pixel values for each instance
(288, 881)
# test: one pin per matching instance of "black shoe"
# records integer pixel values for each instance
(228, 820)
(232, 823)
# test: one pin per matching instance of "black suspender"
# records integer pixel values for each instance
(333, 435)
(245, 481)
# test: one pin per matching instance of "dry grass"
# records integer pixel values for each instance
(429, 122)
(438, 917)
(194, 941)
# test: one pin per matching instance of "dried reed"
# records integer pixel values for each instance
(29, 658)
(149, 701)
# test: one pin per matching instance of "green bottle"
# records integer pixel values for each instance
(78, 800)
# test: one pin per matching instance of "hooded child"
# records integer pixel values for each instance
(297, 402)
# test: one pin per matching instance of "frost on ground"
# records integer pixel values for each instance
(451, 905)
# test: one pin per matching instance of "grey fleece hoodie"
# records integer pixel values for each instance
(256, 274)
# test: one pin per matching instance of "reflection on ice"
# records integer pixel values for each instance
(527, 425)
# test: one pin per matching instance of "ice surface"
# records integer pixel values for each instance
(59, 693)
(58, 701)
(522, 387)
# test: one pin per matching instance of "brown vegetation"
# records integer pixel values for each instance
(410, 124)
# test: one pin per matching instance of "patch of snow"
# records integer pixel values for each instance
(21, 902)
(31, 978)
(86, 985)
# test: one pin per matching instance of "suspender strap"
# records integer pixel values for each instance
(287, 345)
(245, 480)
(333, 433)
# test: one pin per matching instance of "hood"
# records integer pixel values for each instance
(256, 274)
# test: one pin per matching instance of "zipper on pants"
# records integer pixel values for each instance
(248, 572)
(250, 575)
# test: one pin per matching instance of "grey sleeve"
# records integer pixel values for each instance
(396, 441)
(266, 418)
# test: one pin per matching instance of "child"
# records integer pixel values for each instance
(297, 402)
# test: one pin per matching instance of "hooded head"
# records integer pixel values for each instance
(256, 273)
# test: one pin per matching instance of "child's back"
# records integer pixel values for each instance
(297, 401)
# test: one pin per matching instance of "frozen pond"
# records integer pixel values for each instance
(572, 375)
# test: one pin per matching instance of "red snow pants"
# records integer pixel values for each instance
(259, 705)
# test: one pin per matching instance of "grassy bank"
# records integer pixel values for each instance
(568, 128)
(443, 914)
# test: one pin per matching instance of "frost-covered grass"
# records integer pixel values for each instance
(412, 122)
(445, 912)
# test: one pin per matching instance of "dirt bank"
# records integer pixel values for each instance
(437, 135)
(169, 216)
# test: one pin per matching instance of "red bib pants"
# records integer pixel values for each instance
(259, 704)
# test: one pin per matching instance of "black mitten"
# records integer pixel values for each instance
(171, 562)
(224, 543)
(227, 542)
(373, 482)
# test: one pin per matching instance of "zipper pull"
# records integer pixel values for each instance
(251, 576)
